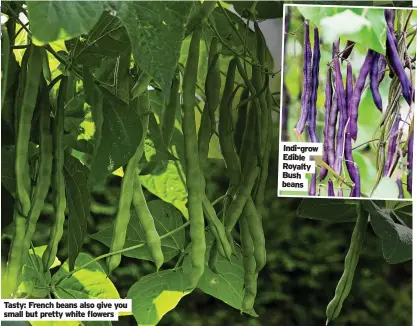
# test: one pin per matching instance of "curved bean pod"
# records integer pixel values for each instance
(254, 222)
(396, 65)
(45, 168)
(307, 85)
(153, 241)
(192, 162)
(374, 82)
(410, 163)
(327, 156)
(357, 93)
(315, 85)
(59, 200)
(392, 145)
(168, 116)
(347, 50)
(249, 266)
(351, 261)
(400, 187)
(330, 188)
(341, 103)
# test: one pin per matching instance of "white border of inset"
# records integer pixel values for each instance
(281, 91)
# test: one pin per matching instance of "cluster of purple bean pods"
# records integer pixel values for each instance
(342, 103)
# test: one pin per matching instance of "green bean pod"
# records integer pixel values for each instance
(31, 73)
(351, 261)
(26, 109)
(44, 170)
(126, 194)
(263, 177)
(227, 144)
(213, 257)
(153, 241)
(58, 180)
(192, 162)
(217, 228)
(5, 55)
(168, 116)
(254, 222)
(250, 172)
(249, 266)
(200, 15)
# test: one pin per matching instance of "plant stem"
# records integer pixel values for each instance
(166, 235)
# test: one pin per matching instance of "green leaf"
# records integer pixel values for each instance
(349, 24)
(386, 188)
(155, 148)
(90, 282)
(331, 210)
(156, 30)
(156, 294)
(121, 134)
(78, 203)
(167, 218)
(396, 238)
(107, 39)
(226, 286)
(34, 282)
(51, 21)
(169, 186)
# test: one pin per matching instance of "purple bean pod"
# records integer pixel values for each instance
(341, 103)
(307, 86)
(357, 93)
(326, 139)
(347, 50)
(374, 82)
(390, 18)
(396, 65)
(350, 162)
(400, 187)
(330, 188)
(392, 145)
(410, 163)
(315, 85)
(340, 192)
(331, 132)
(313, 185)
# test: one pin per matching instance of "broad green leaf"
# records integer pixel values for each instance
(78, 203)
(156, 29)
(386, 188)
(34, 282)
(156, 294)
(169, 186)
(226, 286)
(332, 210)
(107, 39)
(90, 282)
(396, 238)
(115, 76)
(49, 20)
(166, 217)
(121, 134)
(365, 26)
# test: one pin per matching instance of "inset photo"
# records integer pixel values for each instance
(348, 102)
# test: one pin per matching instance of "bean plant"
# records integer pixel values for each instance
(148, 93)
